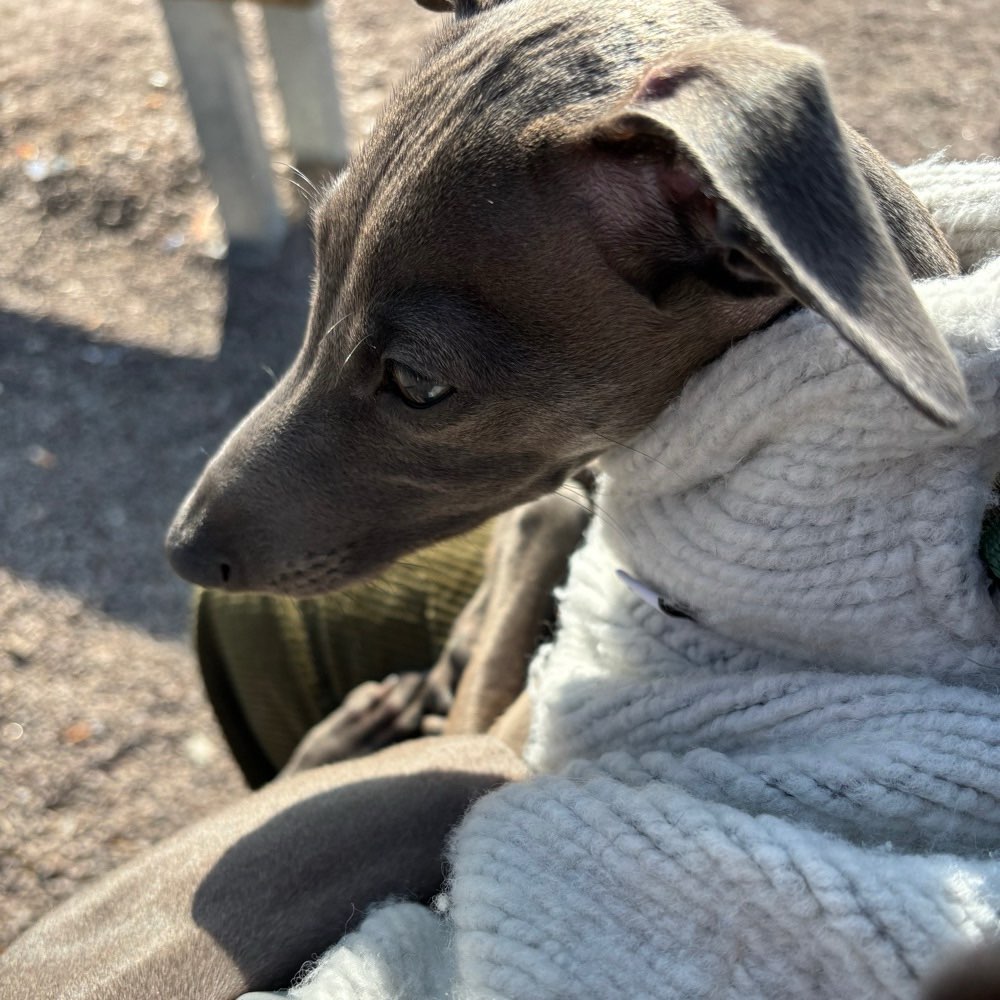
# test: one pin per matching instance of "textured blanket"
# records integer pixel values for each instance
(785, 783)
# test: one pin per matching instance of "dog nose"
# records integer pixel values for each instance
(201, 562)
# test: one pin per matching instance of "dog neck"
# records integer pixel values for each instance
(788, 503)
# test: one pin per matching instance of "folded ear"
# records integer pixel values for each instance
(736, 137)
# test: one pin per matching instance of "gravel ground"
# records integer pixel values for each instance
(128, 347)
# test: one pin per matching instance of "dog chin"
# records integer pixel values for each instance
(317, 577)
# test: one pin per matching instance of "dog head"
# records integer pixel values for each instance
(566, 210)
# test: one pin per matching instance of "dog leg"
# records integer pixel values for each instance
(528, 560)
(374, 715)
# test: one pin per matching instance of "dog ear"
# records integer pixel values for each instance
(461, 8)
(737, 138)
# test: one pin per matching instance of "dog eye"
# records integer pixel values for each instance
(416, 389)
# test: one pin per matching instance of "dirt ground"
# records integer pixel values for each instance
(129, 346)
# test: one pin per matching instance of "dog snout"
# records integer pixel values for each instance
(200, 543)
(197, 554)
(211, 540)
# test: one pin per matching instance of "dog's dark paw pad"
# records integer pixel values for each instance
(373, 715)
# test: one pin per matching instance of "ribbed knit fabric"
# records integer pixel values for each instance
(965, 201)
(797, 793)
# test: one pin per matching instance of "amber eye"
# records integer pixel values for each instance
(416, 389)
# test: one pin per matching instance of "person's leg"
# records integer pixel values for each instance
(239, 900)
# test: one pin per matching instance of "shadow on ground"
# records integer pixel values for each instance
(101, 442)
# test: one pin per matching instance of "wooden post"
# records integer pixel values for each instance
(303, 61)
(207, 46)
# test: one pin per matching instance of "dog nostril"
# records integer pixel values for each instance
(197, 558)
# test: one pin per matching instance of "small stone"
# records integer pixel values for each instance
(18, 647)
(41, 457)
(115, 516)
(117, 211)
(36, 170)
(77, 733)
(200, 750)
(158, 79)
(12, 732)
(35, 514)
(215, 250)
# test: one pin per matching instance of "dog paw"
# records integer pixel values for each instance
(372, 716)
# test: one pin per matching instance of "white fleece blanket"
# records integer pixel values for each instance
(795, 793)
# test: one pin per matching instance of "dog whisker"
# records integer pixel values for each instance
(308, 189)
(333, 326)
(302, 191)
(377, 586)
(586, 502)
(636, 451)
(350, 354)
(311, 184)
